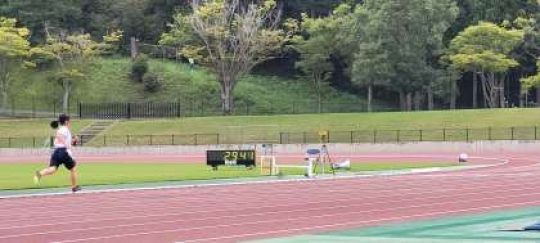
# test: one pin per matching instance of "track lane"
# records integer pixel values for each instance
(145, 216)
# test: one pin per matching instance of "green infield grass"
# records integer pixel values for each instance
(19, 176)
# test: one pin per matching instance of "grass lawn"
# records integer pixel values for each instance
(19, 176)
(336, 122)
(482, 124)
(268, 128)
(31, 133)
(34, 128)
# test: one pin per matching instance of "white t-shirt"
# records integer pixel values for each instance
(66, 134)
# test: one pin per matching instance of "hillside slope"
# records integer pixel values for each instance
(108, 81)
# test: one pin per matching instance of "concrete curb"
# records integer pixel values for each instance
(482, 147)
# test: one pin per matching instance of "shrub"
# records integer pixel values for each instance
(152, 82)
(139, 68)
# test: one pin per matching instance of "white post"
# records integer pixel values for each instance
(273, 167)
(323, 163)
(310, 168)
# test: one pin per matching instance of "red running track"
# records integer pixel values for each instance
(234, 213)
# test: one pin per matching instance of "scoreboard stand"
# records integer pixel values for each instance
(216, 158)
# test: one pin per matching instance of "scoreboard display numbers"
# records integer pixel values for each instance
(217, 158)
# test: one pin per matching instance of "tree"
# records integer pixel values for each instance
(71, 54)
(400, 46)
(500, 10)
(312, 8)
(371, 68)
(14, 47)
(484, 49)
(231, 38)
(531, 82)
(323, 39)
(474, 11)
(136, 19)
(37, 15)
(318, 68)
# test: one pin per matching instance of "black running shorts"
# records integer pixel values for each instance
(60, 156)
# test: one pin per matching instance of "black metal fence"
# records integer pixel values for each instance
(32, 108)
(129, 110)
(363, 136)
(420, 135)
(185, 108)
(207, 108)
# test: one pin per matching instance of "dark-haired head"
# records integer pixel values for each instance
(54, 124)
(63, 119)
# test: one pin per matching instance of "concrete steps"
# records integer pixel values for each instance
(93, 130)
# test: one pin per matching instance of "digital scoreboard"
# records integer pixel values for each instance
(217, 158)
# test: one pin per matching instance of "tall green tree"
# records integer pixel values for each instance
(402, 40)
(474, 11)
(38, 15)
(371, 69)
(71, 54)
(526, 53)
(485, 50)
(324, 38)
(231, 38)
(531, 81)
(14, 48)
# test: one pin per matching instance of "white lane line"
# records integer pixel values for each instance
(324, 208)
(233, 182)
(303, 218)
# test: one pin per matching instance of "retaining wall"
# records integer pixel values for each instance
(480, 147)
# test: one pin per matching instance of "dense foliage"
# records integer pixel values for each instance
(421, 54)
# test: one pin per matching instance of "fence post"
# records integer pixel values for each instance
(217, 138)
(444, 134)
(104, 140)
(374, 136)
(397, 135)
(33, 142)
(202, 107)
(33, 107)
(304, 138)
(172, 140)
(512, 133)
(352, 140)
(421, 135)
(489, 134)
(9, 142)
(196, 138)
(178, 107)
(281, 138)
(467, 134)
(328, 137)
(128, 110)
(13, 106)
(535, 129)
(80, 111)
(127, 140)
(293, 107)
(192, 107)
